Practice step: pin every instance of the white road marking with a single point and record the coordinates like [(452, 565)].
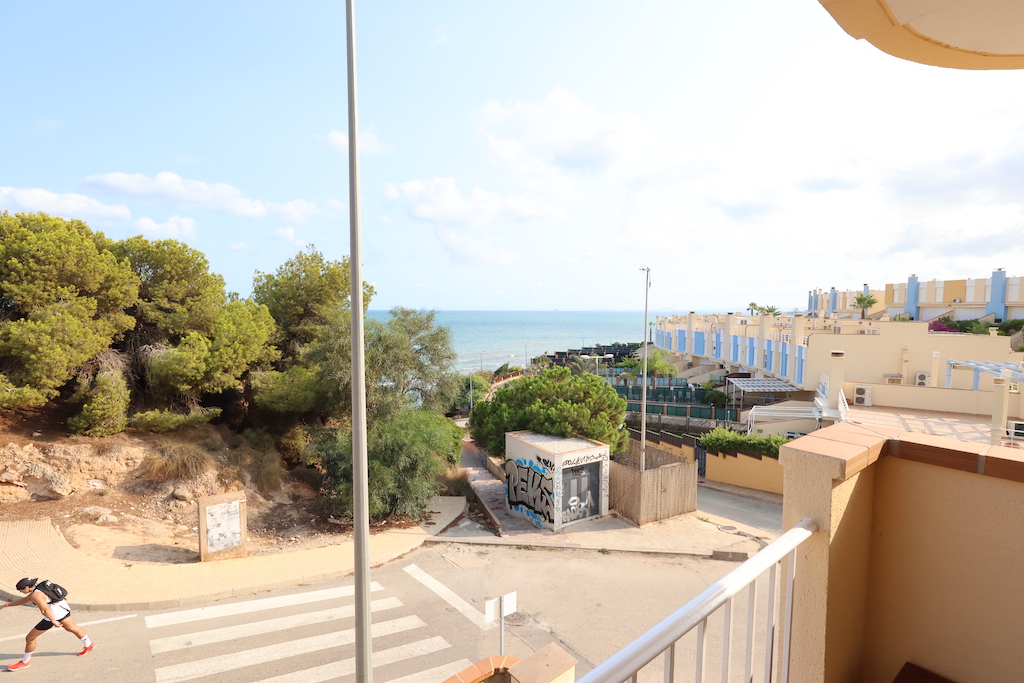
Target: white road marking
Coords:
[(216, 611), (103, 621), (220, 635), (85, 623), (448, 596), (435, 675), (345, 667), (261, 655)]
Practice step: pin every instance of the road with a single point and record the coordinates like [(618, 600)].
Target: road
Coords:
[(427, 618), (749, 511)]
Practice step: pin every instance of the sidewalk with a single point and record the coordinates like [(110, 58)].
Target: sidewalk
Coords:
[(36, 549), (682, 535)]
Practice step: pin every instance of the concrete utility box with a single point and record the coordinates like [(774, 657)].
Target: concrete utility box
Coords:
[(553, 481)]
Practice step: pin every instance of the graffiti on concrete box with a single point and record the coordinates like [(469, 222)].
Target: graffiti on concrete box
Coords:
[(530, 489)]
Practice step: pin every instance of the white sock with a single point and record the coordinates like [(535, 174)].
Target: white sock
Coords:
[(27, 658), (86, 641)]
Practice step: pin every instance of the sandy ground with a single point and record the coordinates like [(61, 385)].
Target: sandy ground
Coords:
[(148, 530)]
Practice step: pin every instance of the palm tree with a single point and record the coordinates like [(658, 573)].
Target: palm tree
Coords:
[(771, 310), (581, 366), (864, 302), (753, 308), (657, 366)]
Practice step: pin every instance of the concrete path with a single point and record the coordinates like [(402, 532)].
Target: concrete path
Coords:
[(36, 549), (762, 513), (682, 535)]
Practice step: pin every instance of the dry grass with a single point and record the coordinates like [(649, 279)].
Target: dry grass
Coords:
[(455, 481), (267, 470), (177, 460)]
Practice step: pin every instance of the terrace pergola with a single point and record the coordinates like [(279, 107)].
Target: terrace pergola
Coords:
[(1009, 370), (759, 385)]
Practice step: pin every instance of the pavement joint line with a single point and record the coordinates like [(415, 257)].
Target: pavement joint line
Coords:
[(510, 541)]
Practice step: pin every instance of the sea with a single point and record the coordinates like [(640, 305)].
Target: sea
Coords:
[(489, 339)]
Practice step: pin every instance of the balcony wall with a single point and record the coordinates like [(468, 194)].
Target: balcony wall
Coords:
[(944, 585), (918, 559)]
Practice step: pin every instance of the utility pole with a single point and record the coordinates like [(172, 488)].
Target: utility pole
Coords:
[(360, 475), (643, 390)]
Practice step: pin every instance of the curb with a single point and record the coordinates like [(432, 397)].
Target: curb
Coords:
[(509, 542), (35, 548)]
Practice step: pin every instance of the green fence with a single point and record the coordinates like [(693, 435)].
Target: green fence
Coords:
[(705, 412), (663, 394)]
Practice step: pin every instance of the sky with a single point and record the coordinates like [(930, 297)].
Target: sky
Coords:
[(528, 155)]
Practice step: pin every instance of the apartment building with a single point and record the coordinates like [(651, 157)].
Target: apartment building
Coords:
[(996, 298), (798, 349)]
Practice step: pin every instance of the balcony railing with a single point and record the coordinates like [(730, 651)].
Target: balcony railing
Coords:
[(662, 640)]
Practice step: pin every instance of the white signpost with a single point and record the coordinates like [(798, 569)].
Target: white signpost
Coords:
[(505, 605)]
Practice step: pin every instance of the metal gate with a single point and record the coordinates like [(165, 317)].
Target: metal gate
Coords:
[(701, 456)]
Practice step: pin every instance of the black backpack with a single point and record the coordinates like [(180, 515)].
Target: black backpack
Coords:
[(54, 591)]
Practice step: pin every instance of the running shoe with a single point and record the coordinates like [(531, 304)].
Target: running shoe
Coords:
[(87, 650), (19, 665)]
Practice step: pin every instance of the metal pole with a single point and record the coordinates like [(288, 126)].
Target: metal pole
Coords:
[(643, 390), (501, 626), (360, 477)]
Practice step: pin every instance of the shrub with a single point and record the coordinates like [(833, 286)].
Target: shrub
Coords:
[(166, 421), (1008, 327), (106, 409), (718, 399), (406, 457), (267, 470), (727, 442), (555, 402), (177, 460)]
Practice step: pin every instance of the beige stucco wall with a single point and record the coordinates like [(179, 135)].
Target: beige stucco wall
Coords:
[(936, 398), (870, 356), (802, 426), (742, 470), (945, 586)]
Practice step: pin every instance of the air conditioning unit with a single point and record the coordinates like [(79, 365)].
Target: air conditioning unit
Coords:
[(861, 395), (1015, 428), (956, 301), (923, 379)]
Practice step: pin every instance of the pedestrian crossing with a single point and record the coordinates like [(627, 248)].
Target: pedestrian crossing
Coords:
[(287, 639)]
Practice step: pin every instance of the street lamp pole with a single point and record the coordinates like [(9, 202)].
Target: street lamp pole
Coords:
[(360, 475), (643, 389)]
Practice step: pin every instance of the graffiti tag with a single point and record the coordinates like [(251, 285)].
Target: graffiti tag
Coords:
[(529, 489)]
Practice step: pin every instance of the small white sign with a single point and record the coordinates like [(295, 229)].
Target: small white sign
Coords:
[(491, 608)]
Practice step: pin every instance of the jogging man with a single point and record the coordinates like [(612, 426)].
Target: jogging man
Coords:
[(55, 612)]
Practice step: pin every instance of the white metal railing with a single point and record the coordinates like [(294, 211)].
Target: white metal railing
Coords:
[(844, 407), (625, 665)]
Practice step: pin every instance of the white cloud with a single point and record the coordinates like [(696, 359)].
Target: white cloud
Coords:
[(297, 211), (440, 202), (172, 188), (477, 250), (288, 235), (555, 143), (369, 143), (66, 205), (237, 246), (176, 227)]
